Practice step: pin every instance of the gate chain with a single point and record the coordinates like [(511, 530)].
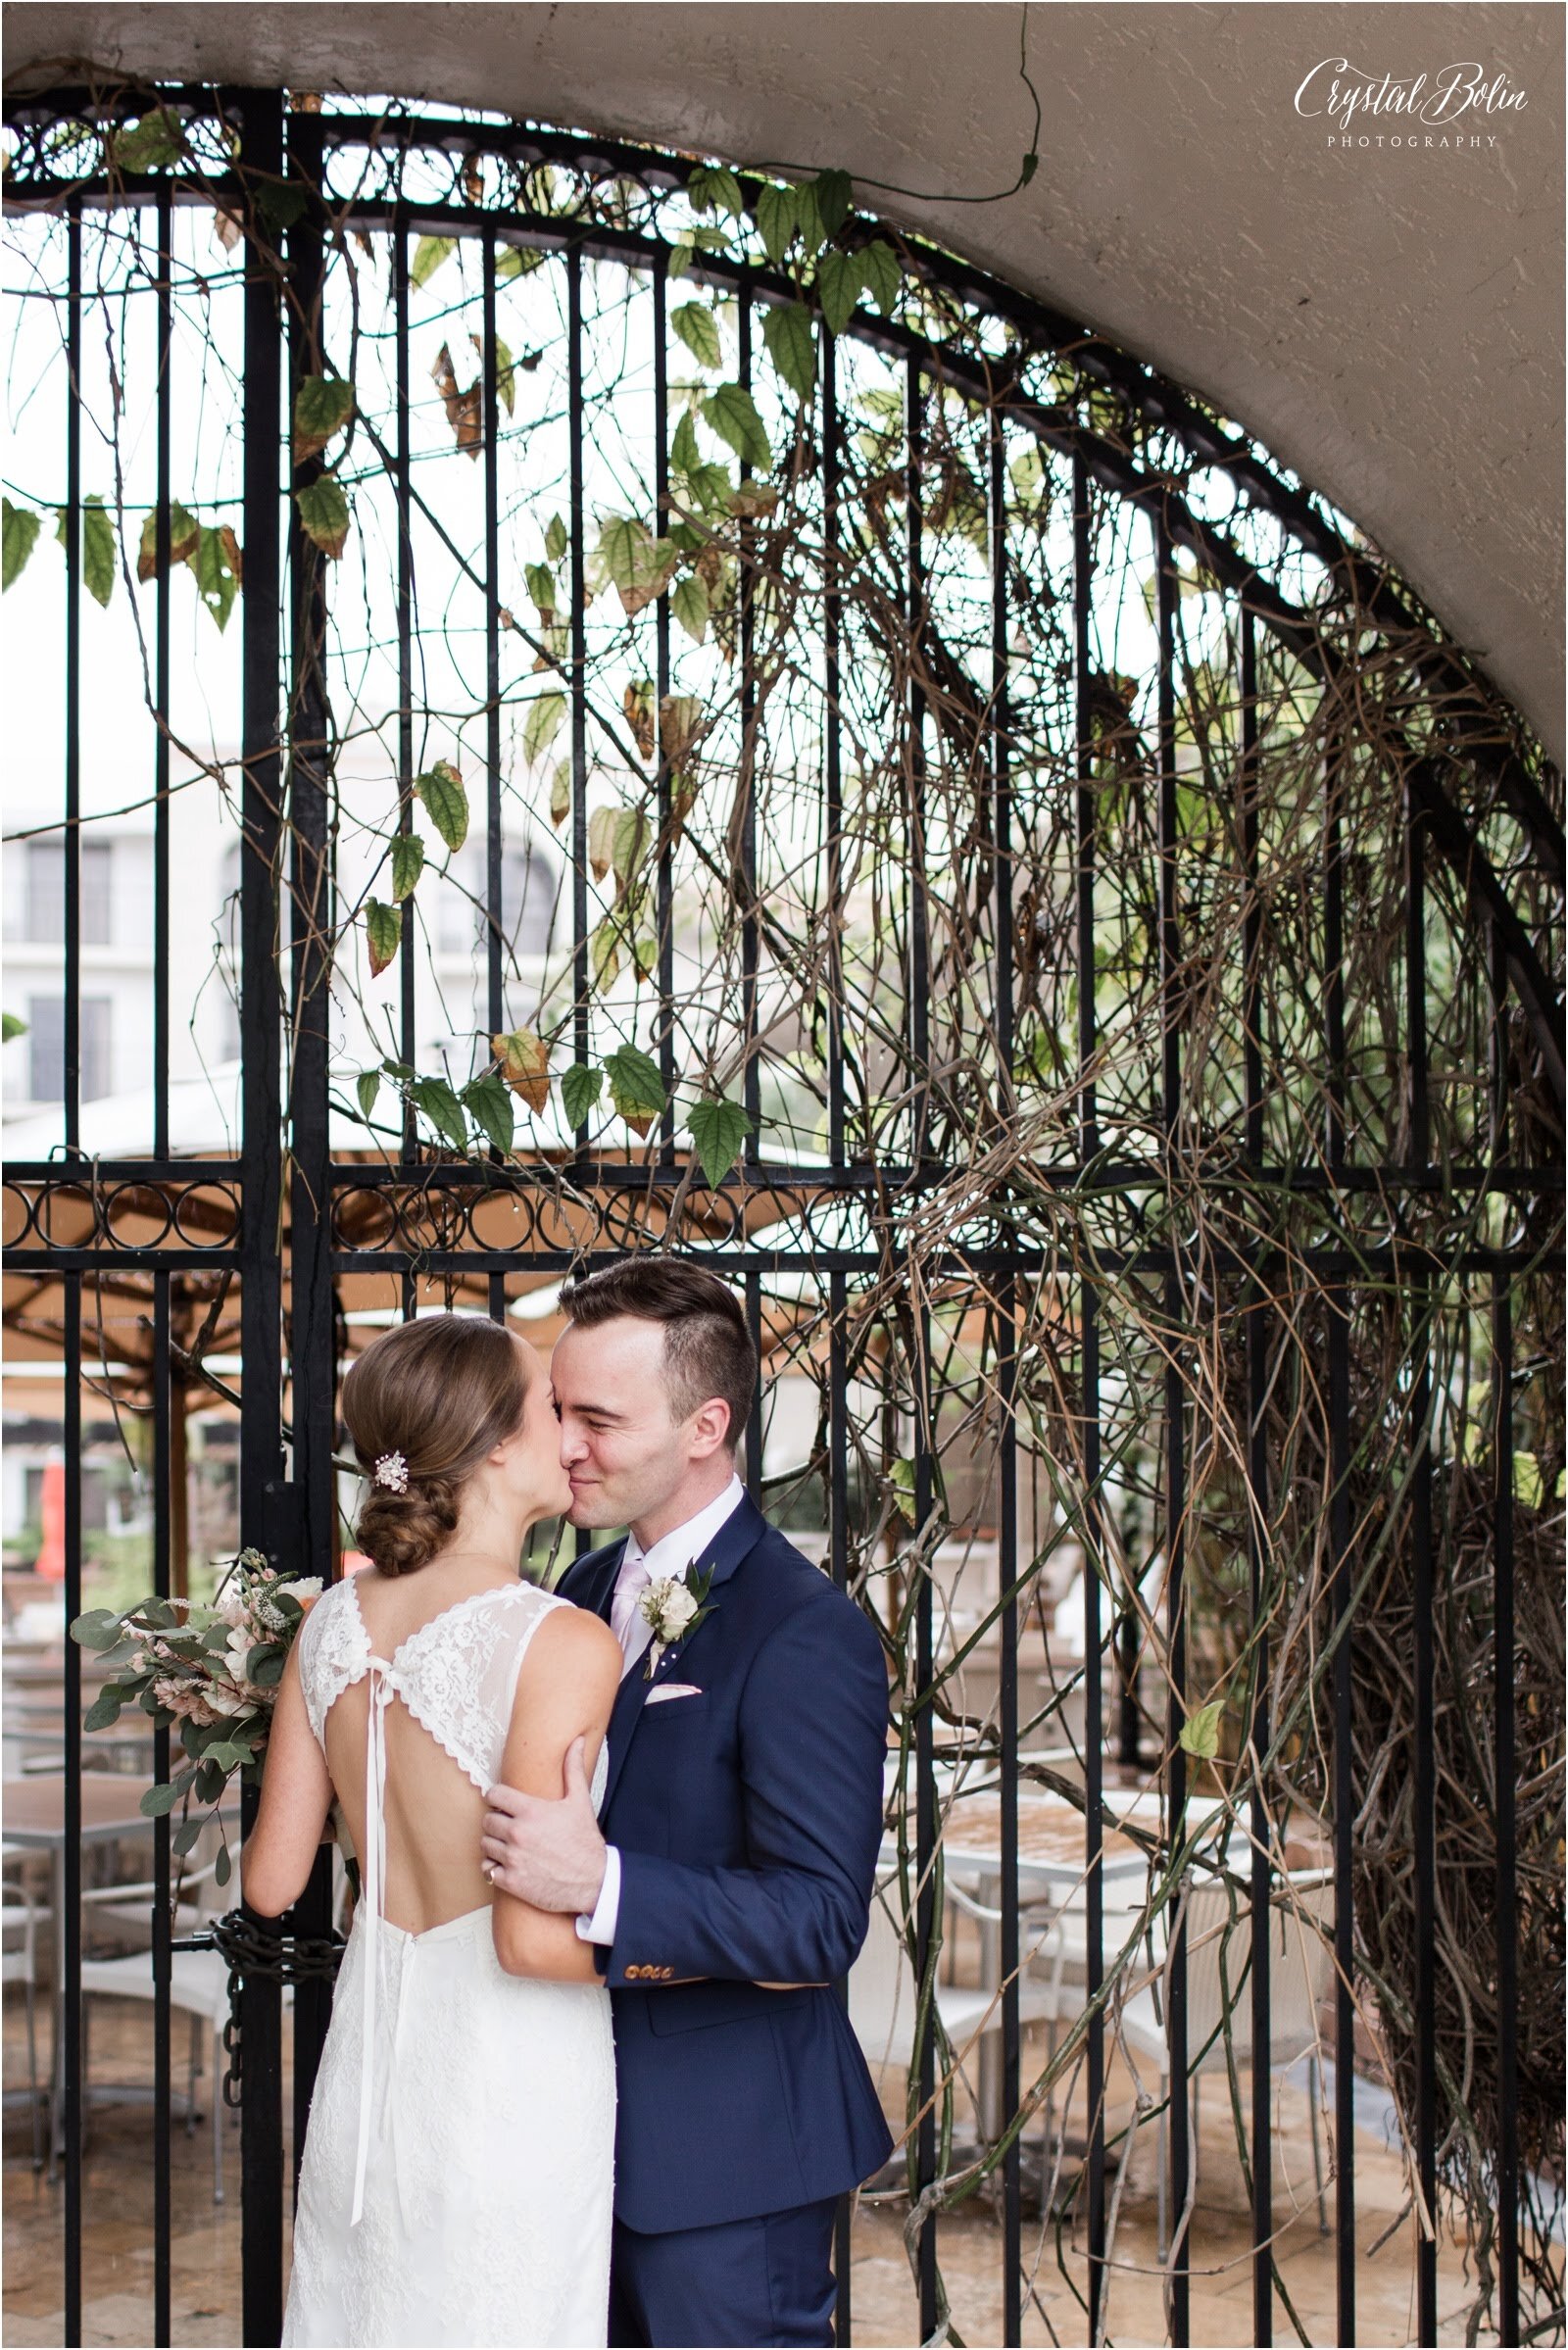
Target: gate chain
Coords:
[(276, 1958)]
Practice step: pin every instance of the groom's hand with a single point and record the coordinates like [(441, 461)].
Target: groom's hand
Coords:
[(548, 1854)]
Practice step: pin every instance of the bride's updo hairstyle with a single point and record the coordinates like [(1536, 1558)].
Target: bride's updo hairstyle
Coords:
[(428, 1398)]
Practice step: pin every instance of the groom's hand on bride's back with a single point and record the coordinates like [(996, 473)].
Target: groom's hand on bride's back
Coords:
[(547, 1852)]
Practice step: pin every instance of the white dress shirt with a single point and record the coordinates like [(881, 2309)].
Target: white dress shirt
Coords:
[(671, 1554)]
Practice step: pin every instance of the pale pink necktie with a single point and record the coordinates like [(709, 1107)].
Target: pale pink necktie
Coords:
[(629, 1626)]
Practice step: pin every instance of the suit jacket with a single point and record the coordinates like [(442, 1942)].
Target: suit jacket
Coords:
[(748, 1818)]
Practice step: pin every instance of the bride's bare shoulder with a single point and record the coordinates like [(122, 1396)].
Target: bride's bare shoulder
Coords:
[(573, 1640)]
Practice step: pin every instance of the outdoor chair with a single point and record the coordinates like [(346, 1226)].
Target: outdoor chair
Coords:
[(18, 1963), (883, 1994), (198, 1983), (1219, 1960)]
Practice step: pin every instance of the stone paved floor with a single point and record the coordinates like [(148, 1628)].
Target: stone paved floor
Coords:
[(117, 2245)]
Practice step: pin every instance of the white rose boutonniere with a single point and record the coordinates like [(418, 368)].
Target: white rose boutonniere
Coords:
[(674, 1606)]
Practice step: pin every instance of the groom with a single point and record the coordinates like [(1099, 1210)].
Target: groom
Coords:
[(727, 1881)]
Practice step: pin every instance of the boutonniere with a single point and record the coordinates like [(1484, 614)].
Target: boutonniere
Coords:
[(674, 1606)]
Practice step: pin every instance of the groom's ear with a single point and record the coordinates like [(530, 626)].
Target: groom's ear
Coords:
[(710, 1426)]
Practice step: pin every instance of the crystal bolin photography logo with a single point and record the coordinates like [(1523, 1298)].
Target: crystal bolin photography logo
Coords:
[(1447, 110)]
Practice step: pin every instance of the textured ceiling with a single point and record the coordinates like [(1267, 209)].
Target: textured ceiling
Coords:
[(1387, 320)]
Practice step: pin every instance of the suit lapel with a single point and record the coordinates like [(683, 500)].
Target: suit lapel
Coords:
[(738, 1534), (590, 1582)]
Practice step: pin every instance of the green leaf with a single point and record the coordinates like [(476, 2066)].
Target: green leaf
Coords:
[(790, 340), (21, 528), (366, 1086), (685, 450), (217, 577), (542, 590), (489, 1105), (428, 255), (635, 1086), (517, 261), (777, 217), (223, 1866), (839, 281), (687, 602), (902, 1479), (561, 791), (505, 378), (408, 863), (556, 539), (680, 260), (732, 413), (441, 1106), (640, 565), (104, 1709), (98, 1628), (524, 1059), (628, 841), (713, 188), (604, 951), (324, 515), (808, 215), (1528, 1484), (710, 489), (184, 1837), (323, 406), (446, 802), (881, 276), (383, 929), (580, 1088), (185, 534), (1200, 1733), (718, 1130), (834, 192), (265, 1666), (280, 206), (97, 550), (156, 1800), (697, 330), (153, 144), (11, 1026), (543, 724)]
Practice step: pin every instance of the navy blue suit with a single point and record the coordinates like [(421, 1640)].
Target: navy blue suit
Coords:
[(748, 1820)]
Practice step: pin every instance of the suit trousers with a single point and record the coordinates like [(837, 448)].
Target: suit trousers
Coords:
[(738, 2286)]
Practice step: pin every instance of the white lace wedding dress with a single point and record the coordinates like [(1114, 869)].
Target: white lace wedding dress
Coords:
[(457, 2173)]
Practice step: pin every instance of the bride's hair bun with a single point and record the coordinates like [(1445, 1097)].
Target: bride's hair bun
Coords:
[(436, 1394)]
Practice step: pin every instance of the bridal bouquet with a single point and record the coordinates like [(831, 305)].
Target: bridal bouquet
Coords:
[(214, 1669)]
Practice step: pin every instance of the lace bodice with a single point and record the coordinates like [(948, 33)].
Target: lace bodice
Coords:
[(457, 1674)]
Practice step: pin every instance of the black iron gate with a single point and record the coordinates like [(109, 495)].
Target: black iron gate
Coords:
[(1121, 1044)]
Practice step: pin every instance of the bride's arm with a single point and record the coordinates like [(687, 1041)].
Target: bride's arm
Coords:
[(279, 1852), (564, 1692)]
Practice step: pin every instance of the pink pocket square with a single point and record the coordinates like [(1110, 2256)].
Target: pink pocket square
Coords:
[(673, 1688)]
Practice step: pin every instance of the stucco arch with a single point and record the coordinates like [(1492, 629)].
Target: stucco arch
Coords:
[(1387, 320)]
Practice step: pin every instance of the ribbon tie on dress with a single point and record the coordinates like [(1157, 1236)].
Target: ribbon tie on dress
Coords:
[(385, 1687)]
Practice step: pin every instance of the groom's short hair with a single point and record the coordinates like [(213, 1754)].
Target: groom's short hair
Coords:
[(708, 1347)]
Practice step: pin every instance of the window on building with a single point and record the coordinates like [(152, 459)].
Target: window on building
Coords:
[(45, 913), (46, 1041), (529, 882)]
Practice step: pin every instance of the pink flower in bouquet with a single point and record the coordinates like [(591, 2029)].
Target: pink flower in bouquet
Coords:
[(186, 1703)]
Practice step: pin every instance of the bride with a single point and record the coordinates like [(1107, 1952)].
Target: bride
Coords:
[(456, 2180)]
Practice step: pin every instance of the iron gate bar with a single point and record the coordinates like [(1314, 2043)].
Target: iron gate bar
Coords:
[(751, 929), (71, 853), (261, 1198), (1425, 1812), (1337, 1305), (1504, 1699), (664, 797), (1006, 1394), (311, 1335), (161, 1923), (832, 632), (407, 1043), (1261, 1732), (490, 409), (839, 1569), (579, 668), (1170, 1115), (927, 1848)]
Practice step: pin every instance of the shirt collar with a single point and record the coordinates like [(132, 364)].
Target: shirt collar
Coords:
[(683, 1545)]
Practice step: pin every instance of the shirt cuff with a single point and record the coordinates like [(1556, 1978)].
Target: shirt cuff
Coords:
[(600, 1927)]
